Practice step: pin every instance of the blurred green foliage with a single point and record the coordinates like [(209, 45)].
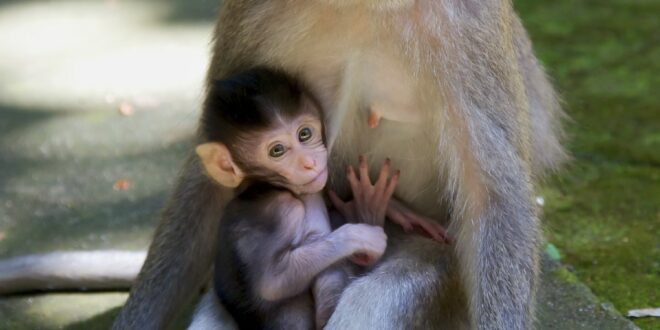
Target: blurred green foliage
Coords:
[(603, 209)]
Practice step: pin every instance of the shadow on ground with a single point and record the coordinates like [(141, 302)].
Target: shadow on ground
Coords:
[(101, 321)]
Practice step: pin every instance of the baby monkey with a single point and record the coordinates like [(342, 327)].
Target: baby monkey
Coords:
[(279, 264)]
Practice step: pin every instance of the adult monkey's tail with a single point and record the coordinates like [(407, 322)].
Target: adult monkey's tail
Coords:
[(71, 271)]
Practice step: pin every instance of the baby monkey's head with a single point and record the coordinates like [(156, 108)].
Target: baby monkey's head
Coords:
[(262, 125)]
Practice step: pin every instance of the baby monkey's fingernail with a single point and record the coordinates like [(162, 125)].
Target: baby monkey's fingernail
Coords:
[(387, 161), (398, 172), (361, 158)]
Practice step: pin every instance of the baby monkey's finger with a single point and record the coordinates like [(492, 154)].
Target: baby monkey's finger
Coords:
[(432, 231), (446, 236), (364, 172), (391, 186), (353, 181), (383, 175), (361, 259), (431, 228), (401, 220)]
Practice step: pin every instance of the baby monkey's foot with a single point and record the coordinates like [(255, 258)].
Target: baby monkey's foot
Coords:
[(410, 221)]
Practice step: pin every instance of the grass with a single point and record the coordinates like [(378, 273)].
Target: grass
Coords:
[(603, 209)]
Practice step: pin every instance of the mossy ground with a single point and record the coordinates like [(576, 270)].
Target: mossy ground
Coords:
[(603, 209)]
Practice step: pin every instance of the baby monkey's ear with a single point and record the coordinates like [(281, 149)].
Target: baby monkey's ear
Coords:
[(219, 165)]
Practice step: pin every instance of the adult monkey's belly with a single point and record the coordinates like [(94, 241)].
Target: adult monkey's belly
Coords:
[(352, 82)]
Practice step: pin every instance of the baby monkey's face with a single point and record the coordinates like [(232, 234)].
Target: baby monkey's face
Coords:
[(295, 150)]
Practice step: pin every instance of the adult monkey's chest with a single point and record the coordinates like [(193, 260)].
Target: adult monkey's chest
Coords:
[(354, 66), (377, 82)]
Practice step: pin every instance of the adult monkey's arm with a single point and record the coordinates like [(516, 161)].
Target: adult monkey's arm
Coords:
[(179, 258), (180, 255)]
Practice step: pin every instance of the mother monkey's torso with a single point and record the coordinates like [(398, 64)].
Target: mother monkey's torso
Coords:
[(467, 115), (356, 62)]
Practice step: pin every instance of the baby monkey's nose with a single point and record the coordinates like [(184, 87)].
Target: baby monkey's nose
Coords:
[(308, 162)]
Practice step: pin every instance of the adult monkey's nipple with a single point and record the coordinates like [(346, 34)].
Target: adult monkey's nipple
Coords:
[(374, 118)]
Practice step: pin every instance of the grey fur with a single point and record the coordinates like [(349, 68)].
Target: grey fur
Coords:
[(490, 126)]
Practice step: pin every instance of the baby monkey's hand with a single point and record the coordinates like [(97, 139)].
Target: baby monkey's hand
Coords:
[(370, 201)]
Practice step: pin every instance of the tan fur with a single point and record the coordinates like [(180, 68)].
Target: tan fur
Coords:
[(488, 119)]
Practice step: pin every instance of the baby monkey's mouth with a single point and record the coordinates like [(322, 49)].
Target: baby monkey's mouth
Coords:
[(318, 176)]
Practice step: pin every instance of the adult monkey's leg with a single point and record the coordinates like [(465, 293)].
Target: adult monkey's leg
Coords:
[(497, 226), (412, 287), (484, 66), (544, 107), (180, 255)]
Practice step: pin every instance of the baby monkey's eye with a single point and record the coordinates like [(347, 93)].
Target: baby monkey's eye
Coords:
[(277, 151), (305, 134)]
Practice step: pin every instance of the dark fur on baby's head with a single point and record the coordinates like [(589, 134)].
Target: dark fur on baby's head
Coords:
[(251, 101)]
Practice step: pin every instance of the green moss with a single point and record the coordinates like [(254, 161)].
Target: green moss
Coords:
[(564, 275), (603, 210)]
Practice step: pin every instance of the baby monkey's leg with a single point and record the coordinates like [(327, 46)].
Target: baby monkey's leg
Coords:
[(327, 290), (295, 314)]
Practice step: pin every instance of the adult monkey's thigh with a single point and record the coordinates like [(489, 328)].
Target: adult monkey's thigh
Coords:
[(413, 287), (476, 63)]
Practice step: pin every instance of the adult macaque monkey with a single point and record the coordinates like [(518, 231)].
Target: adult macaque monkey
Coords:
[(463, 109)]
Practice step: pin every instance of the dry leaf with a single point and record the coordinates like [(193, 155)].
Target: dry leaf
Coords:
[(2, 235), (126, 109), (121, 184)]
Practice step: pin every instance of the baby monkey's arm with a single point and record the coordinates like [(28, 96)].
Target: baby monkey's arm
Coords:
[(330, 283), (291, 271)]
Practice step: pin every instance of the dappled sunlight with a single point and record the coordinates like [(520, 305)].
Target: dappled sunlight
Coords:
[(100, 134), (67, 68), (78, 55), (58, 310)]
